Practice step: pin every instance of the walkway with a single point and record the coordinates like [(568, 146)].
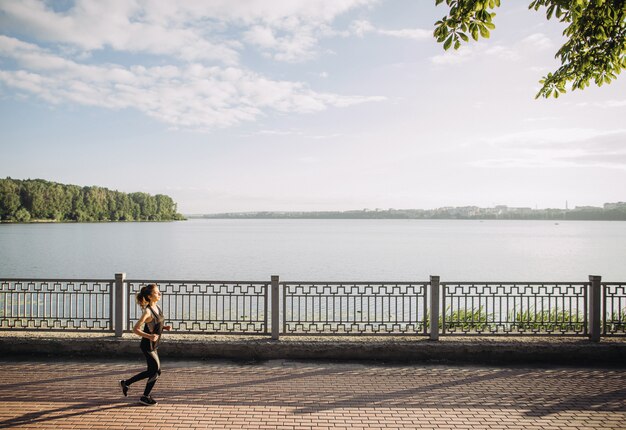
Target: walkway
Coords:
[(303, 395)]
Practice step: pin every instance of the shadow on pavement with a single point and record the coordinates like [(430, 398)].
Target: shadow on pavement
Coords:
[(46, 415), (313, 388)]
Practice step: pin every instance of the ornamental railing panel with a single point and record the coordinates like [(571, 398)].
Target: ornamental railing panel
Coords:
[(614, 305), (214, 307), (354, 308), (322, 308), (56, 304), (514, 308)]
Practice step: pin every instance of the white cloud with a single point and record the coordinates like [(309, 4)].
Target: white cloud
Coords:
[(361, 28), (191, 96), (292, 47), (552, 136), (537, 41), (570, 147), (611, 104), (190, 30), (458, 56), (279, 133), (608, 104), (409, 33), (299, 133), (562, 160), (503, 53), (207, 90), (471, 51), (508, 163), (120, 25), (261, 36)]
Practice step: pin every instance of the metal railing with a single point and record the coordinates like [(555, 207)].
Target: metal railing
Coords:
[(56, 304), (228, 307), (431, 308), (348, 308), (614, 306), (533, 308)]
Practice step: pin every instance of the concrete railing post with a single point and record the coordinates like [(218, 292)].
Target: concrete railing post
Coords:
[(434, 308), (595, 308), (275, 309), (120, 303)]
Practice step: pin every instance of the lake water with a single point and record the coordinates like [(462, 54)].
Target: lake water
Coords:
[(318, 250)]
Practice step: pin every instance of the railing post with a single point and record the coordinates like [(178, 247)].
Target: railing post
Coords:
[(434, 308), (595, 308), (275, 308), (120, 304)]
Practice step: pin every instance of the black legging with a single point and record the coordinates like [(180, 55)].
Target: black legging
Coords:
[(154, 368)]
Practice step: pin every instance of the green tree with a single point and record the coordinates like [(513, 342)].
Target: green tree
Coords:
[(36, 199), (9, 198), (147, 206), (124, 206), (596, 37), (166, 208), (33, 198), (22, 215), (78, 204), (95, 201), (58, 201)]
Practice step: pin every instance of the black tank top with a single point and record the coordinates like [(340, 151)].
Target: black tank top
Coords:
[(154, 327)]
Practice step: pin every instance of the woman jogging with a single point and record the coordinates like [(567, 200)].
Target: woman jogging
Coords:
[(152, 320)]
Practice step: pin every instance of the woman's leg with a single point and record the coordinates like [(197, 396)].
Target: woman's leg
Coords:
[(154, 370), (146, 373)]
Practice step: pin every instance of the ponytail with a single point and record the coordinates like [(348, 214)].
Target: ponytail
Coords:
[(144, 295)]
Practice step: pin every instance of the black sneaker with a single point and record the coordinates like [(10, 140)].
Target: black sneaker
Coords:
[(124, 387), (148, 401)]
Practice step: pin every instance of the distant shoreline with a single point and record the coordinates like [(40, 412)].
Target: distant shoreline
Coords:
[(51, 221), (609, 212), (397, 219)]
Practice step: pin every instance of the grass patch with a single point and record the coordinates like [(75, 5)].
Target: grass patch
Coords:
[(547, 321), (616, 322)]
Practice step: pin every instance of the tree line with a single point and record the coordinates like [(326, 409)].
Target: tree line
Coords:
[(37, 199)]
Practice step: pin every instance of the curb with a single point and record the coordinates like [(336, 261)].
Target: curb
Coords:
[(493, 351)]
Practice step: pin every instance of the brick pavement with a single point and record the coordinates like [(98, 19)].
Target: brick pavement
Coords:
[(310, 395)]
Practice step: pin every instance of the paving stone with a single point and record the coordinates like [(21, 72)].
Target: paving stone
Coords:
[(282, 394)]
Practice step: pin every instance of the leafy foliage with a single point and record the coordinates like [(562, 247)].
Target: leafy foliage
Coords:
[(468, 320), (547, 320), (596, 37), (36, 199), (527, 321), (616, 322)]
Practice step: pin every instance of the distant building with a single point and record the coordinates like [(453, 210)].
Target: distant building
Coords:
[(524, 211), (501, 209)]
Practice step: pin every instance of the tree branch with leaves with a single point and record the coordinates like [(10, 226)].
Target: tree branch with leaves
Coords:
[(595, 49)]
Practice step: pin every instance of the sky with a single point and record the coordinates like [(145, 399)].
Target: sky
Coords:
[(300, 105)]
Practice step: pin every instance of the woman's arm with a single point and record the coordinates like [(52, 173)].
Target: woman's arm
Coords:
[(137, 328)]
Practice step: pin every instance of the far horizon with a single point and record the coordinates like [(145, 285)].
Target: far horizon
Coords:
[(567, 204), (503, 207)]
